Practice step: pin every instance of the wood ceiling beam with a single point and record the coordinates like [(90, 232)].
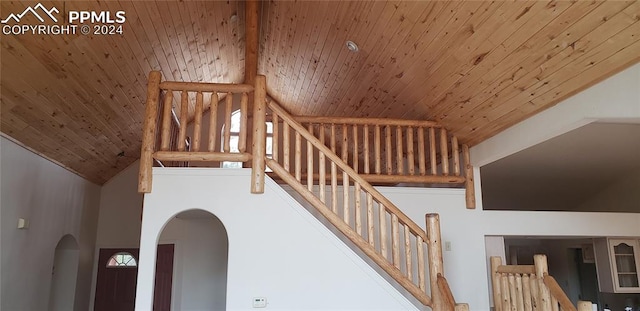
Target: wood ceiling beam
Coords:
[(252, 9)]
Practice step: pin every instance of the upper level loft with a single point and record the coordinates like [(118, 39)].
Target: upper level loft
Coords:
[(234, 125)]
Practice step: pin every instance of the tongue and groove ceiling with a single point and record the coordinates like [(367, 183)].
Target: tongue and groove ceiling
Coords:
[(477, 67)]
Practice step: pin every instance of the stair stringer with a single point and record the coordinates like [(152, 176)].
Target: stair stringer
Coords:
[(357, 250)]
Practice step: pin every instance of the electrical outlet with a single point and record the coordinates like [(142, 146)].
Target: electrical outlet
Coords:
[(259, 302)]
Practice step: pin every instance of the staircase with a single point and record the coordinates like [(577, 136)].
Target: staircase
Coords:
[(338, 187)]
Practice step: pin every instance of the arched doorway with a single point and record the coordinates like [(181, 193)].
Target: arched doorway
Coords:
[(64, 275), (200, 262)]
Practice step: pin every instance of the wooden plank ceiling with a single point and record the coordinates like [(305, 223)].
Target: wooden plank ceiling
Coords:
[(79, 100), (475, 66)]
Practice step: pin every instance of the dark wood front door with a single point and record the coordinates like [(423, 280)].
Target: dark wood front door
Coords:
[(164, 277), (117, 279)]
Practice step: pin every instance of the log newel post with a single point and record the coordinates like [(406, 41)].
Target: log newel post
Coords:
[(470, 193), (436, 267), (149, 132), (496, 262), (259, 136), (584, 306), (542, 269)]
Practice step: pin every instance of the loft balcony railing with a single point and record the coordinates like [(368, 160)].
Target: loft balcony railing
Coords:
[(178, 132), (174, 132)]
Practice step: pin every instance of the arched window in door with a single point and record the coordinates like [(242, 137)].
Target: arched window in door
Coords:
[(122, 259), (235, 138)]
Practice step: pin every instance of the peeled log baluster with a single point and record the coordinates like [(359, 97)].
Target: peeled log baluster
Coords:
[(432, 150), (242, 136), (410, 155), (227, 122), (213, 119), (197, 122), (298, 156), (383, 231), (456, 155), (166, 121), (286, 141), (370, 223), (355, 148), (276, 138), (399, 154), (388, 151), (444, 152), (345, 178), (358, 214), (334, 173), (377, 155), (365, 138), (322, 168), (422, 281), (421, 153), (184, 112), (407, 252), (519, 293), (310, 161), (526, 293), (395, 241)]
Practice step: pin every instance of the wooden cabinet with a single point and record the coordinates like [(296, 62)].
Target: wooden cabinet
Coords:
[(618, 264)]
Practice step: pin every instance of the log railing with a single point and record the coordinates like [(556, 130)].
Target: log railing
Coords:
[(354, 207), (394, 151), (210, 143), (332, 176), (528, 288)]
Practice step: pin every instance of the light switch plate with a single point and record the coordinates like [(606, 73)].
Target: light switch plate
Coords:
[(259, 302)]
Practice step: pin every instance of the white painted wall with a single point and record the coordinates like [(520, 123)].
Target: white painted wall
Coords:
[(277, 249), (120, 211), (616, 99), (200, 262), (56, 202), (266, 263), (119, 220)]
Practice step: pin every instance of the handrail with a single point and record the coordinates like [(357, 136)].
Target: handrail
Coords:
[(449, 303), (367, 121), (557, 293), (206, 87), (520, 269), (346, 168)]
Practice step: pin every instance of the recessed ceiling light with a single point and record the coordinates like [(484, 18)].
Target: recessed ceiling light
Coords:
[(352, 46)]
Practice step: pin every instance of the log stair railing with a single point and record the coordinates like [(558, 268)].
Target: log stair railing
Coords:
[(174, 132), (529, 288), (354, 207), (391, 151)]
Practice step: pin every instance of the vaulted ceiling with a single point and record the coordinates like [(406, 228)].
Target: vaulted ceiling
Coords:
[(475, 66)]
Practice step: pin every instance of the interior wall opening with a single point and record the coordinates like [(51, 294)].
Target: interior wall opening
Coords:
[(200, 261), (575, 262), (64, 274)]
